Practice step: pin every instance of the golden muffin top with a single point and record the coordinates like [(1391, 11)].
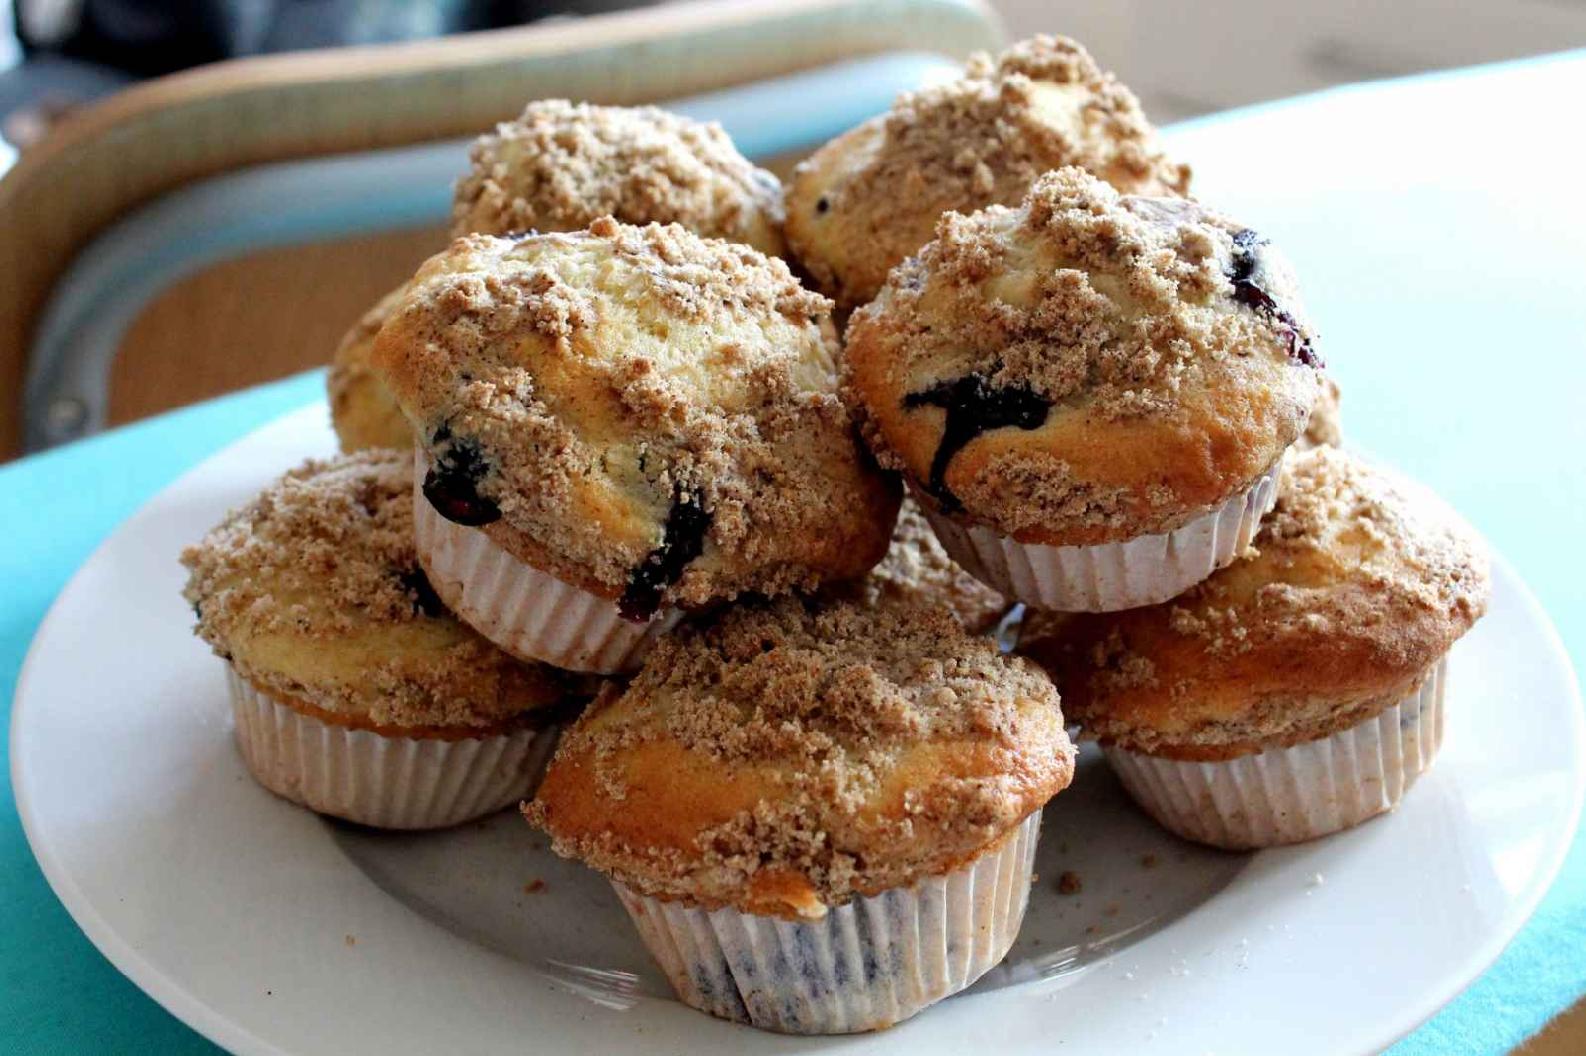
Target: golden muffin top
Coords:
[(314, 593), (362, 410), (871, 197), (917, 570), (1087, 367), (1358, 584), (560, 166), (788, 756), (644, 413)]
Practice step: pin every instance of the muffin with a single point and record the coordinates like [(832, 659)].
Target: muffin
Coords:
[(916, 569), (560, 166), (1324, 425), (1298, 691), (355, 692), (1089, 394), (821, 818), (362, 410), (620, 424), (872, 196)]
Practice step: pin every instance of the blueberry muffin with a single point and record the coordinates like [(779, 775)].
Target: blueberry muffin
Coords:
[(916, 569), (821, 818), (1088, 394), (355, 692), (362, 410), (871, 197), (619, 424), (1298, 691), (561, 166)]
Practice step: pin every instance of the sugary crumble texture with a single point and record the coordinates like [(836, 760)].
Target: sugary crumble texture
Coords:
[(865, 746)]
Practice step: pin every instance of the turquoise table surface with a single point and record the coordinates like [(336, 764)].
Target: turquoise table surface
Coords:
[(1443, 247)]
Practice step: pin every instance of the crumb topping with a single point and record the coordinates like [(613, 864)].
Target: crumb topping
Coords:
[(961, 146), (852, 748), (1369, 529), (1042, 104), (1357, 584), (1324, 425), (1080, 295), (917, 569), (314, 592), (560, 166), (588, 384), (1084, 310)]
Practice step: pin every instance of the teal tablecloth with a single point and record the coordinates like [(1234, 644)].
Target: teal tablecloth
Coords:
[(57, 994), (1445, 266)]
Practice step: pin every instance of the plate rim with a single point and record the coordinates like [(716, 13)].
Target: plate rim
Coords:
[(225, 1030)]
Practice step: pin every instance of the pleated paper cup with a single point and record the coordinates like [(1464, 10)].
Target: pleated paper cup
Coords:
[(385, 782), (865, 965), (1286, 795), (1106, 577), (529, 613)]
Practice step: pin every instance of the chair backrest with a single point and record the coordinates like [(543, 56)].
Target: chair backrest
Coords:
[(223, 130)]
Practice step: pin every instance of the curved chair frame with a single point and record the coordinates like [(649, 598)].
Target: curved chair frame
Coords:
[(162, 135)]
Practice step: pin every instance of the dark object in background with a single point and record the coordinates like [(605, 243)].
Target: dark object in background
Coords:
[(150, 37), (77, 50)]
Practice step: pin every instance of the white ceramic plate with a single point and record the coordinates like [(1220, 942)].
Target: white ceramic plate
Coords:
[(273, 931)]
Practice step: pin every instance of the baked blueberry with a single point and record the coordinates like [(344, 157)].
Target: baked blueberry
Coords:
[(1088, 394), (621, 424)]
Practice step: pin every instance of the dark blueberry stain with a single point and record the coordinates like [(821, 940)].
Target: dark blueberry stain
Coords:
[(681, 542), (417, 585), (974, 406), (1247, 292), (843, 972), (452, 483)]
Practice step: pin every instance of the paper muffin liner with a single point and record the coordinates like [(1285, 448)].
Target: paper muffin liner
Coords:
[(385, 782), (529, 613), (1286, 795), (1106, 577), (865, 965)]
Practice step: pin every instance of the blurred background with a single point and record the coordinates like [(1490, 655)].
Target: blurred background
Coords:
[(224, 227), (1182, 59)]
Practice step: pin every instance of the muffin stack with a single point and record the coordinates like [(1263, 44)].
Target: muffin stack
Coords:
[(609, 445)]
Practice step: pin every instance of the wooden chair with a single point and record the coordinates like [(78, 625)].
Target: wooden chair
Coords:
[(223, 226)]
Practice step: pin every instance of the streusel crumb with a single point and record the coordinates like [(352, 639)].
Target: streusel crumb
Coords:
[(1325, 426), (589, 384), (313, 591), (871, 197), (1155, 356), (1356, 586), (560, 166), (834, 749), (917, 569)]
